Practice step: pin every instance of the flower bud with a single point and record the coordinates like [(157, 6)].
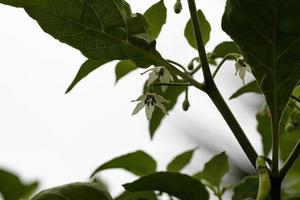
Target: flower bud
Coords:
[(177, 7), (186, 105)]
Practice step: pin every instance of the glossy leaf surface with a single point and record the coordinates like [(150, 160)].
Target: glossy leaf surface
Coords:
[(268, 34), (181, 186), (138, 163)]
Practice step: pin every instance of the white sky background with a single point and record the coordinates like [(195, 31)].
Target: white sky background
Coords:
[(58, 138)]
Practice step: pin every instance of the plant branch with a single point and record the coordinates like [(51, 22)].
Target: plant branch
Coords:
[(177, 64), (275, 148), (174, 84), (290, 161), (199, 41), (213, 92), (196, 69), (227, 57)]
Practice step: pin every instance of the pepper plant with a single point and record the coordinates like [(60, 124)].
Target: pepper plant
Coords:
[(265, 42)]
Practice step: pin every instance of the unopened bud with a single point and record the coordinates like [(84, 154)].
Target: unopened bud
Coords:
[(186, 105), (177, 7)]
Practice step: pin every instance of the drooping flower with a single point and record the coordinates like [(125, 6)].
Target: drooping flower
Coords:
[(241, 68), (149, 101), (161, 74)]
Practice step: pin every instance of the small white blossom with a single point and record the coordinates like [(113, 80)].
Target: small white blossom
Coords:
[(149, 101), (241, 68), (161, 74)]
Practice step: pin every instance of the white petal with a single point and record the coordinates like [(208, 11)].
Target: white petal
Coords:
[(159, 98), (237, 67), (162, 107), (142, 97), (138, 107), (242, 75), (152, 78), (149, 111)]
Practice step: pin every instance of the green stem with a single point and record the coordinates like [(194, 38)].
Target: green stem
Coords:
[(173, 84), (213, 92), (275, 147), (290, 161), (177, 64), (227, 57), (195, 70)]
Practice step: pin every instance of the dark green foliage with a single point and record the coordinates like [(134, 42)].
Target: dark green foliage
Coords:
[(138, 163), (225, 48), (175, 184), (123, 68), (214, 170), (12, 188), (251, 87), (156, 16), (180, 161), (269, 38), (205, 30), (246, 188), (74, 191)]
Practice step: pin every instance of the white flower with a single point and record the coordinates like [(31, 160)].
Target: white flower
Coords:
[(150, 100), (161, 74), (241, 67)]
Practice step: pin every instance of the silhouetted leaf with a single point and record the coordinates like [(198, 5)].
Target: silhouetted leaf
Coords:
[(181, 186), (85, 69), (139, 195), (156, 16), (214, 169), (180, 161), (123, 68), (251, 87), (264, 129), (247, 188), (205, 30), (268, 36), (101, 30), (74, 191), (138, 163), (12, 188), (224, 48)]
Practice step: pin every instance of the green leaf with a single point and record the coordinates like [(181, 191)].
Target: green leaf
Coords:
[(264, 129), (101, 30), (138, 163), (180, 161), (139, 195), (268, 36), (247, 188), (85, 69), (175, 184), (12, 188), (224, 48), (251, 87), (156, 16), (291, 185), (171, 94), (214, 169), (205, 30), (74, 191), (123, 68)]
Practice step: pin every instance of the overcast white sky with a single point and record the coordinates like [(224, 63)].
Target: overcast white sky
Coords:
[(60, 138)]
